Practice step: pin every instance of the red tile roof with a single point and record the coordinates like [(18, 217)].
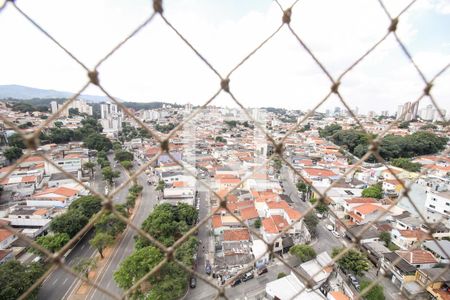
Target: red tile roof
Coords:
[(417, 256), (236, 235), (293, 214), (319, 172), (361, 200), (367, 208), (4, 234), (249, 213), (216, 221), (63, 191)]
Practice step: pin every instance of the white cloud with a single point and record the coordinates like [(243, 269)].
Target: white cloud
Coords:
[(157, 65)]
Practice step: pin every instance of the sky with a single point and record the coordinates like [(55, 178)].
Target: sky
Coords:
[(156, 65)]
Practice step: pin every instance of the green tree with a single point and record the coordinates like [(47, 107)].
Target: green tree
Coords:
[(52, 242), (220, 139), (277, 164), (90, 166), (16, 140), (373, 191), (123, 155), (61, 135), (13, 153), (117, 146), (303, 252), (375, 293), (406, 164), (97, 142), (301, 186), (58, 124), (109, 223), (167, 223), (385, 236), (16, 278), (73, 111), (126, 164), (281, 275), (161, 185), (321, 207), (136, 265), (404, 125), (84, 266), (311, 222), (258, 223), (352, 261), (109, 174), (329, 130), (71, 223), (87, 205), (100, 241), (428, 126)]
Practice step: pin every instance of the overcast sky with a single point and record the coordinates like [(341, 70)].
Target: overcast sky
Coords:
[(157, 66)]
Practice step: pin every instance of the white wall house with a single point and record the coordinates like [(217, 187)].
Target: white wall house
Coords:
[(439, 202)]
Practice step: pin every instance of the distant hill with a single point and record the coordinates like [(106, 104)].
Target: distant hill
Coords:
[(40, 97), (24, 92)]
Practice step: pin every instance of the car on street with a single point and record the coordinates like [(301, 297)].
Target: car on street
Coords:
[(208, 268), (335, 233), (262, 271), (236, 282), (247, 276), (193, 282), (319, 215), (329, 227), (354, 281)]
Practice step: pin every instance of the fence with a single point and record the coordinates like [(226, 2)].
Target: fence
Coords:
[(93, 78)]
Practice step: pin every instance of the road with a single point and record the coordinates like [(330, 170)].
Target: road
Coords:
[(326, 241), (126, 245), (60, 283)]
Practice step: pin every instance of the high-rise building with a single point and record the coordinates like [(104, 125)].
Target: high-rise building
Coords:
[(111, 118), (54, 106), (408, 111), (78, 104), (337, 111)]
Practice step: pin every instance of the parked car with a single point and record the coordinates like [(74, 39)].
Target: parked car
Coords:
[(329, 227), (319, 215), (354, 281), (208, 269), (335, 233), (247, 276), (193, 282), (261, 271), (236, 282)]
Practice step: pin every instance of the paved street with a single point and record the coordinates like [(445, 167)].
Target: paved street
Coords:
[(60, 283), (326, 241), (126, 245)]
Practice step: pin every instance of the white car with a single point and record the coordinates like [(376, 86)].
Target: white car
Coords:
[(335, 233), (319, 215), (329, 227)]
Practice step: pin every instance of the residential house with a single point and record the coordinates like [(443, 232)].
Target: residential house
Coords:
[(436, 281), (421, 259), (317, 270), (440, 250), (406, 239), (290, 287), (53, 197), (397, 269)]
